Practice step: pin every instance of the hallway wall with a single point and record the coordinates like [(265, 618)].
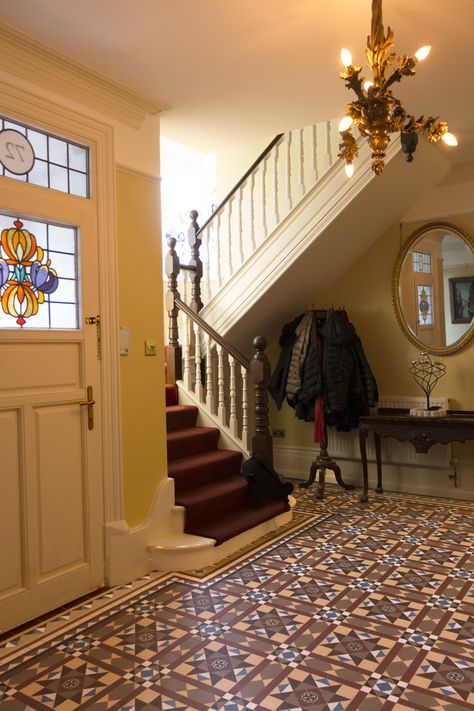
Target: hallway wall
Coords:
[(141, 313), (365, 292)]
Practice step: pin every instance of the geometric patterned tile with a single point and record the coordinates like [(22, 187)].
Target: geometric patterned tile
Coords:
[(447, 676), (371, 608)]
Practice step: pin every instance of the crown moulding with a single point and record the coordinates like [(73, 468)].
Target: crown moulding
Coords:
[(26, 58)]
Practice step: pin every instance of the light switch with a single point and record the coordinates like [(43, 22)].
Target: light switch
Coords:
[(150, 348), (124, 341)]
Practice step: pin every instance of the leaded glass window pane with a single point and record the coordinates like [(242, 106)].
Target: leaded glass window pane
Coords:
[(77, 158), (39, 285), (425, 305), (57, 151), (59, 164), (39, 141), (58, 178), (38, 175), (422, 262)]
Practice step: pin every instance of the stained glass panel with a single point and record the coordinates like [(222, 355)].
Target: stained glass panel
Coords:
[(425, 305), (38, 275), (59, 164)]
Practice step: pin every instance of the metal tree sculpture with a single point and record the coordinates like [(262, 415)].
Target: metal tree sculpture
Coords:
[(427, 373)]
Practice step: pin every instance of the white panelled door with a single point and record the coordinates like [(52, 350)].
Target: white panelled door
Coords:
[(51, 498)]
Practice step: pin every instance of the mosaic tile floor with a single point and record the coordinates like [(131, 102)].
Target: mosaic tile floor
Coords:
[(371, 608)]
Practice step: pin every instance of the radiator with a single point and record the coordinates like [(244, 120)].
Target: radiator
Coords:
[(345, 445)]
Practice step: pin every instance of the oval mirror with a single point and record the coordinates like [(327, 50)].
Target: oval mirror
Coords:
[(433, 288)]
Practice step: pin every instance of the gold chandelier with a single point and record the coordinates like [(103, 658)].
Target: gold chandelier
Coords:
[(376, 112)]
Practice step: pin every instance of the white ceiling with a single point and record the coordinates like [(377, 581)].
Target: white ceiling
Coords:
[(237, 70)]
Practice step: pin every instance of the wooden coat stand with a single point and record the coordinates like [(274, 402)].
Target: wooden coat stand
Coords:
[(322, 462)]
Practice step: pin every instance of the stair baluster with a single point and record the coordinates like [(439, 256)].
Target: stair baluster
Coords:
[(288, 172), (302, 187), (260, 373), (245, 408), (221, 411), (187, 369), (198, 387), (173, 351), (233, 425), (195, 264), (210, 396)]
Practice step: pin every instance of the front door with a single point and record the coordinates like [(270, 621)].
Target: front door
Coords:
[(51, 498)]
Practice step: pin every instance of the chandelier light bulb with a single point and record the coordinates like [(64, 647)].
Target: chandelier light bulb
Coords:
[(346, 57), (423, 52), (349, 169), (376, 111), (450, 139), (345, 124)]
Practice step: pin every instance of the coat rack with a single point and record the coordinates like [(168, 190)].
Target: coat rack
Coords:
[(322, 462)]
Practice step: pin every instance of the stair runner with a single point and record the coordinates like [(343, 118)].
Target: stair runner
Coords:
[(208, 481)]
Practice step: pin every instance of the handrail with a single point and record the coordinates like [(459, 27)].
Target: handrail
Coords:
[(242, 180), (213, 334)]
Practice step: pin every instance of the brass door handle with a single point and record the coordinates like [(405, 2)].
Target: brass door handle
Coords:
[(89, 403)]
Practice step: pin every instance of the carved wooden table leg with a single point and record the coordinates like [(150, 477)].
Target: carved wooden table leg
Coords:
[(378, 459), (363, 455)]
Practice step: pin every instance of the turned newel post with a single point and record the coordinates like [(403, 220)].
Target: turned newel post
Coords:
[(260, 375), (173, 349), (195, 263)]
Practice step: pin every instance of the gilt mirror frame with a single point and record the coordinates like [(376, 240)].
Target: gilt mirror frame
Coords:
[(404, 250)]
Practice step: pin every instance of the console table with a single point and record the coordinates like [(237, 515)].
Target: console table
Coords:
[(422, 432)]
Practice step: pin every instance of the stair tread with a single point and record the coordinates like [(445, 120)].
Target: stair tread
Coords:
[(179, 417), (230, 486), (181, 408), (190, 441), (205, 458), (190, 432), (231, 524)]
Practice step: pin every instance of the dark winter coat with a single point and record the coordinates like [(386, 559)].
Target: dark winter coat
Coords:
[(349, 385), (277, 384), (343, 375)]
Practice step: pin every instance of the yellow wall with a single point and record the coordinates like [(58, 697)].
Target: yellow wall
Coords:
[(141, 312), (365, 291)]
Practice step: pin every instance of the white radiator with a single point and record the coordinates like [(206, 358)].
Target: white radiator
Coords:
[(345, 445)]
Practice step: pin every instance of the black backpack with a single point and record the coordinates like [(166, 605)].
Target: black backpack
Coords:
[(264, 484)]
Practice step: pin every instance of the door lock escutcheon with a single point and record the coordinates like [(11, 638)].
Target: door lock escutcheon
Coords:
[(89, 403)]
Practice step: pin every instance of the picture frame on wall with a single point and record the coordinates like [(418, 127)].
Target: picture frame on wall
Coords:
[(461, 298)]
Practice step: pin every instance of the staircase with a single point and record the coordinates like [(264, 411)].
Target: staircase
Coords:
[(290, 227), (208, 481), (202, 513)]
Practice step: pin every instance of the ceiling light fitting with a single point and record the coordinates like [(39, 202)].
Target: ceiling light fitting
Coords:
[(376, 112)]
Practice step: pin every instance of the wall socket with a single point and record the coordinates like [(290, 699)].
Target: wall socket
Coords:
[(279, 434)]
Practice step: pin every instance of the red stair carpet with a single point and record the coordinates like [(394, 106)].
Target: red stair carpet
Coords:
[(208, 481)]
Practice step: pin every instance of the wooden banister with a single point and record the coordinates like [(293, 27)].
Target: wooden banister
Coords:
[(213, 334), (242, 180), (258, 368)]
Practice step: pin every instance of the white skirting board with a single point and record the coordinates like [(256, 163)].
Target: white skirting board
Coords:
[(295, 463)]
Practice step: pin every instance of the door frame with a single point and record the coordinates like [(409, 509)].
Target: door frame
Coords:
[(34, 109)]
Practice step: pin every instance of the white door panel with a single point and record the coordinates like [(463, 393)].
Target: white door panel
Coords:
[(51, 490)]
